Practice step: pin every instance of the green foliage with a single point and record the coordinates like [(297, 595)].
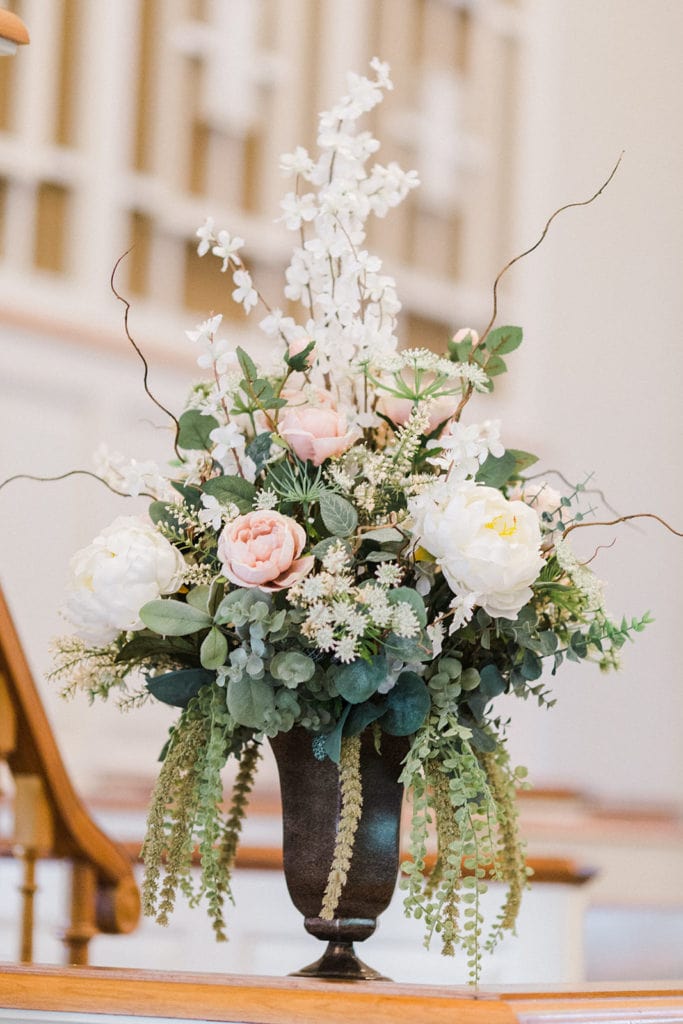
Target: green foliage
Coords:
[(214, 649), (195, 430), (249, 700), (179, 687), (173, 618), (231, 489), (496, 471), (360, 679), (338, 514), (407, 705)]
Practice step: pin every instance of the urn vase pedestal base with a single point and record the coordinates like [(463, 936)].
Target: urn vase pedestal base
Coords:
[(311, 803)]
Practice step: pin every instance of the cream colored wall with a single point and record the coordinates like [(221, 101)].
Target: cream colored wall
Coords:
[(598, 382)]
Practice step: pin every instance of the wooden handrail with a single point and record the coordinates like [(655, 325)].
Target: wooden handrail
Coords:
[(103, 873), (256, 1000)]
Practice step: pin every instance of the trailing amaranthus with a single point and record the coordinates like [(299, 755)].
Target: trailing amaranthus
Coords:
[(349, 817)]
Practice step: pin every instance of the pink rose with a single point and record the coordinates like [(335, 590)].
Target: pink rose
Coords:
[(399, 409), (316, 433), (262, 549), (308, 396), (464, 333)]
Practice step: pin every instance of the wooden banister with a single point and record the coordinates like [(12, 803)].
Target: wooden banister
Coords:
[(254, 1000), (51, 818)]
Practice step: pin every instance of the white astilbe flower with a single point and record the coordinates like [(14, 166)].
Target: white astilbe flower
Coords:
[(265, 500), (336, 558), (404, 620), (463, 449), (389, 574), (580, 575)]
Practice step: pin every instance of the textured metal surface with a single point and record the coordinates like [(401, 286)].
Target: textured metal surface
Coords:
[(311, 801)]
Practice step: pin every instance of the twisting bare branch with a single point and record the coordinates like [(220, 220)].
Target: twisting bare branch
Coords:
[(64, 476), (515, 259), (623, 519), (132, 341)]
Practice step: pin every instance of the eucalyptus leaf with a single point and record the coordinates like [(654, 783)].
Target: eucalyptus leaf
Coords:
[(409, 649), (195, 429), (491, 681), (249, 701), (173, 618), (360, 678), (338, 514), (362, 715), (384, 535), (408, 705), (179, 687)]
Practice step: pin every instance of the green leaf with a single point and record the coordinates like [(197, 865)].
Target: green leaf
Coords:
[(249, 701), (166, 513), (384, 535), (532, 666), (214, 649), (408, 649), (198, 597), (404, 595), (361, 715), (503, 339), (195, 429), (333, 739), (408, 705), (145, 645), (495, 366), (178, 688), (299, 362), (522, 459), (323, 546), (191, 495), (173, 618), (338, 514), (360, 679), (496, 471), (231, 489), (491, 681), (259, 449), (247, 365)]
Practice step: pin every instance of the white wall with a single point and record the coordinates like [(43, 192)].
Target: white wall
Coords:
[(598, 382)]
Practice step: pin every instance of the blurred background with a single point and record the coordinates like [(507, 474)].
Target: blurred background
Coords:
[(123, 125)]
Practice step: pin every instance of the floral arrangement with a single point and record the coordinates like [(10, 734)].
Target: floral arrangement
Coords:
[(336, 547)]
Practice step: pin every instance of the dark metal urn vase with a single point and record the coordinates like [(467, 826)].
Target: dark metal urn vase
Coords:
[(311, 803)]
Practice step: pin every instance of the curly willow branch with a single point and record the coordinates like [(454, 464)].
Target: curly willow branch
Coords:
[(349, 817), (515, 259), (126, 328), (64, 476), (623, 519)]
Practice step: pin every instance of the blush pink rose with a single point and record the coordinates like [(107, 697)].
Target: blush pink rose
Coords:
[(263, 549), (399, 409), (316, 433)]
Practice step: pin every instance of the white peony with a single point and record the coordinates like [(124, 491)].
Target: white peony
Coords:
[(488, 548), (127, 565)]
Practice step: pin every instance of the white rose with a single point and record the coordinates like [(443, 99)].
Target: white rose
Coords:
[(487, 547), (126, 566)]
